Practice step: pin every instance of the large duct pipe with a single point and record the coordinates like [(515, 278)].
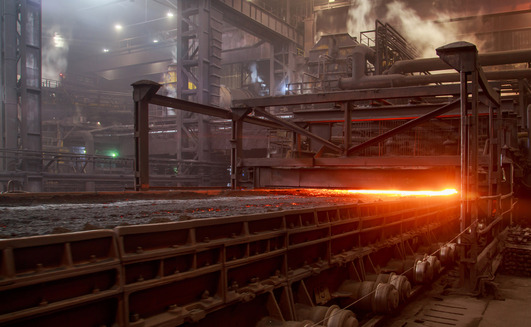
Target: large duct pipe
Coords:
[(398, 80), (394, 76), (361, 54), (485, 59)]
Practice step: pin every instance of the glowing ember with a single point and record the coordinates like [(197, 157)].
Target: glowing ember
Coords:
[(448, 191)]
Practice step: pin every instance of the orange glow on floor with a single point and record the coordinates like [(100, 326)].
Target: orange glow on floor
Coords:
[(448, 191)]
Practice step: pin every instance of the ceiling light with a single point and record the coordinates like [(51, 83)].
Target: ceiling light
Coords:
[(169, 14), (155, 41), (118, 27), (58, 41), (106, 50)]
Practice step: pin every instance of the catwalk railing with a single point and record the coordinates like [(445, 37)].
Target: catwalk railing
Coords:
[(57, 167)]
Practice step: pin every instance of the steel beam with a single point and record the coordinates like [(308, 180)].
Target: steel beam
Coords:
[(351, 95), (203, 109), (390, 161), (258, 21), (333, 114), (297, 129), (404, 127)]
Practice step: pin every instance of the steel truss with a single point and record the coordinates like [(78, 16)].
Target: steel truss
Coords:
[(20, 83)]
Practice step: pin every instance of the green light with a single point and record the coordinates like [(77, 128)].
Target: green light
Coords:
[(113, 154)]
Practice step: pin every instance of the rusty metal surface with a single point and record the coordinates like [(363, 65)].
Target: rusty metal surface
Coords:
[(191, 271), (49, 213)]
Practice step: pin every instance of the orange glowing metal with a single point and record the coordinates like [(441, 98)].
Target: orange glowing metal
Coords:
[(448, 191)]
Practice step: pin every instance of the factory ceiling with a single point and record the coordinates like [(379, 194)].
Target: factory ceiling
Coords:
[(120, 41)]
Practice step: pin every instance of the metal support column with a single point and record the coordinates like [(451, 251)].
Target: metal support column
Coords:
[(143, 91), (29, 90), (463, 57), (8, 84), (236, 155), (282, 67), (347, 127), (198, 67), (20, 93)]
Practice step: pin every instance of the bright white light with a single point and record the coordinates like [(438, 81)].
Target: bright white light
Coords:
[(118, 27), (331, 1), (155, 41), (169, 14), (106, 50), (58, 40)]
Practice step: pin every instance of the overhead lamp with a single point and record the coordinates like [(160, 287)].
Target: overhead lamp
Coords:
[(58, 40), (155, 41), (170, 14), (118, 27), (106, 50)]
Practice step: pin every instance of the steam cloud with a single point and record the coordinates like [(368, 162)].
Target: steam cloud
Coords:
[(55, 53), (254, 73), (425, 35), (360, 17)]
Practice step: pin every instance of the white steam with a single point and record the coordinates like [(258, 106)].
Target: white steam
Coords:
[(254, 73), (361, 16), (425, 35), (55, 53)]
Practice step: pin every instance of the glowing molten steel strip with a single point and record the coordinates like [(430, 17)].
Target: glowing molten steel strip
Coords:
[(448, 191)]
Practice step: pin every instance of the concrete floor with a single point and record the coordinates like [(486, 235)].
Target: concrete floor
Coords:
[(515, 310), (440, 307)]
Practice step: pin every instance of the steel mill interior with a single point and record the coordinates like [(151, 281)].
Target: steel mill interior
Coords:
[(288, 163)]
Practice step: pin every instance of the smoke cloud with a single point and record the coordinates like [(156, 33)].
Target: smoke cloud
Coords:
[(55, 53)]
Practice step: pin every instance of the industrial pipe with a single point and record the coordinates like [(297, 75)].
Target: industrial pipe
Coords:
[(398, 80), (485, 59), (394, 76), (360, 55)]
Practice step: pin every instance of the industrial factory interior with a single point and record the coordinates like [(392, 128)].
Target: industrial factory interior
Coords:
[(255, 163)]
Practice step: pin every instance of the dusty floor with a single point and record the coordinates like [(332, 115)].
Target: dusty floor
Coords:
[(443, 306), (27, 215)]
